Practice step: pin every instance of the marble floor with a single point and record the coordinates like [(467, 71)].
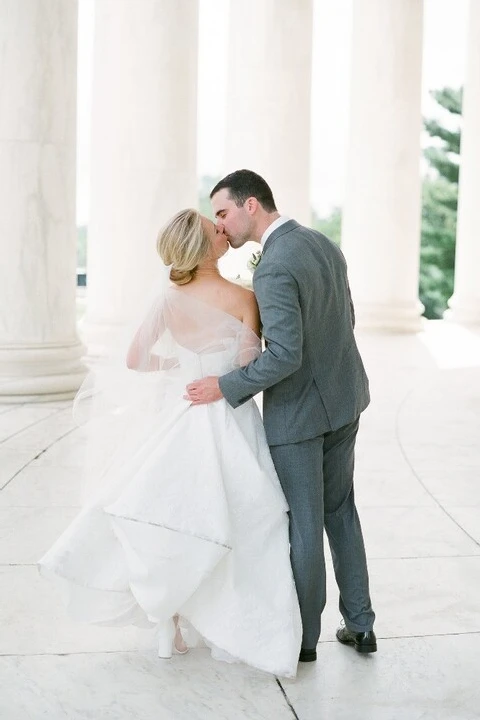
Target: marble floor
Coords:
[(418, 493)]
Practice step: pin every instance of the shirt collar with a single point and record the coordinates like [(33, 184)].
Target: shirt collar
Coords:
[(271, 228)]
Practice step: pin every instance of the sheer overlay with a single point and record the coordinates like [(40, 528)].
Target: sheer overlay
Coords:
[(182, 508)]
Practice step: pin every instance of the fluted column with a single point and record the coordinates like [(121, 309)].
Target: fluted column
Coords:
[(382, 210), (143, 167), (268, 112), (39, 348), (465, 301)]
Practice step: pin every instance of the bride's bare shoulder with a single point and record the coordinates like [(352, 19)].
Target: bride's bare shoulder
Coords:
[(225, 295), (240, 294), (236, 286), (244, 305)]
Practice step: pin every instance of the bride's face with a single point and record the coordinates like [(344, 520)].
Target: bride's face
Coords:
[(217, 237)]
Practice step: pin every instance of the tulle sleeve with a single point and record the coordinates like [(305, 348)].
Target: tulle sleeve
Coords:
[(152, 347), (249, 348)]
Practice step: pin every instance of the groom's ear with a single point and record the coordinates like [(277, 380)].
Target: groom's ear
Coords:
[(251, 205)]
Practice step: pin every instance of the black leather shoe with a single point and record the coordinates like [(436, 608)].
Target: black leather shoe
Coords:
[(308, 655), (364, 642)]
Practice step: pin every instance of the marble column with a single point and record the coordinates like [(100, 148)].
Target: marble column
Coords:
[(382, 208), (465, 301), (268, 103), (39, 348), (143, 166)]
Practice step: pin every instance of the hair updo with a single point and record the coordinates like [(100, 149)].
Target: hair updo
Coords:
[(183, 244)]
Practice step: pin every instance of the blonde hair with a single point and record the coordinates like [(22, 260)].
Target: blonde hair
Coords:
[(183, 244)]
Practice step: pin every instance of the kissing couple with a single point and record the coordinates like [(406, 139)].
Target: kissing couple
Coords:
[(205, 521)]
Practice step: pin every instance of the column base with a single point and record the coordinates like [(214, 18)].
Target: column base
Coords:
[(41, 373), (463, 312), (405, 318)]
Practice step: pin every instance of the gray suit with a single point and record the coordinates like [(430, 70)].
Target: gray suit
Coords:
[(315, 388)]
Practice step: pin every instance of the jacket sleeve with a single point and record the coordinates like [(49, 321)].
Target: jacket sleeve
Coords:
[(278, 300)]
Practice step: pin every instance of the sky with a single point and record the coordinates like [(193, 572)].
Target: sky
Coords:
[(444, 56)]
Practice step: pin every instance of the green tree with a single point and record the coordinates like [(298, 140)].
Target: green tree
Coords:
[(439, 205)]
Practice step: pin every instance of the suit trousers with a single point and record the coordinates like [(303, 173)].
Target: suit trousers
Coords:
[(317, 478)]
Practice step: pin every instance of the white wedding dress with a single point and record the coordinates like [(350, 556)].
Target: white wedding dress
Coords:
[(187, 515)]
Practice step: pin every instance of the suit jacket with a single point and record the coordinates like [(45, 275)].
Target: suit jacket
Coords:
[(311, 372)]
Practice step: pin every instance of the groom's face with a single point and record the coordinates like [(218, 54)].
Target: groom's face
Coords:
[(236, 221)]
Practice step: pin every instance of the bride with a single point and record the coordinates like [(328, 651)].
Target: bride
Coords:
[(184, 524)]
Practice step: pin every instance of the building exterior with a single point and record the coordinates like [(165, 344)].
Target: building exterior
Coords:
[(144, 161)]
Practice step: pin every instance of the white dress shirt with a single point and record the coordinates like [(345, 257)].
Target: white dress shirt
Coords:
[(270, 229)]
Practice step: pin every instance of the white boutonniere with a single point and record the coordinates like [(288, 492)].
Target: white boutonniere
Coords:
[(252, 264)]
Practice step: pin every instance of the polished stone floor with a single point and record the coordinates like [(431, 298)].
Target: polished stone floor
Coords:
[(418, 493)]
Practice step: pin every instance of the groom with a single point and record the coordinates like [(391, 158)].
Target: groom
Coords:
[(315, 388)]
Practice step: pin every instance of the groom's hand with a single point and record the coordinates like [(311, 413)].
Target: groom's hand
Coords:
[(204, 391)]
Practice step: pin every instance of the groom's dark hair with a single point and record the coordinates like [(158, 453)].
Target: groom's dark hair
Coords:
[(243, 184)]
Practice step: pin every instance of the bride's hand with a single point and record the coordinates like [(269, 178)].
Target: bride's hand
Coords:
[(204, 391)]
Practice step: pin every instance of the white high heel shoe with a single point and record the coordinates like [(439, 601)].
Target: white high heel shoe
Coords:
[(170, 639)]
